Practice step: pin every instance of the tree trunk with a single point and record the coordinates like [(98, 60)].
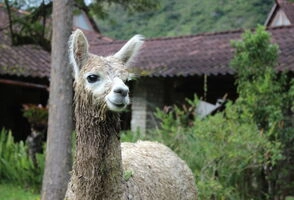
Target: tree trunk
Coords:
[(58, 152)]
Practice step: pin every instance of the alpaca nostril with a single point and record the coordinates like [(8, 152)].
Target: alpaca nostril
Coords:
[(122, 91)]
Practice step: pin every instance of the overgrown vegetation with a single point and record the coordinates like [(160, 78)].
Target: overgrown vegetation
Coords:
[(268, 96), (29, 27), (15, 165), (37, 115), (185, 17), (32, 25), (244, 152)]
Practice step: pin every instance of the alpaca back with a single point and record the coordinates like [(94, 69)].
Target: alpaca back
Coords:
[(155, 172)]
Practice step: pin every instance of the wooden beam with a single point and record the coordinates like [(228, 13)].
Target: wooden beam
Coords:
[(24, 84)]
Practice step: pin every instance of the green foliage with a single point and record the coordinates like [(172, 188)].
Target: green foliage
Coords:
[(257, 81), (185, 17), (129, 5), (15, 192), (35, 114), (127, 174), (224, 151), (29, 27), (254, 55), (268, 97), (15, 165), (32, 27), (226, 148)]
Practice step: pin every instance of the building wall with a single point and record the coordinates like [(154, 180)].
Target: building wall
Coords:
[(152, 93), (148, 94), (280, 19)]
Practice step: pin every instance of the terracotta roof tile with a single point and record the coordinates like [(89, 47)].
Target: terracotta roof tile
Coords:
[(26, 60), (30, 60), (197, 54), (167, 57)]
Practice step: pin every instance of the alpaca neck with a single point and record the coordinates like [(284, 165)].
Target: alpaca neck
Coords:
[(97, 171)]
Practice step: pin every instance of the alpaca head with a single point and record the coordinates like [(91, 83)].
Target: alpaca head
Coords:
[(102, 78)]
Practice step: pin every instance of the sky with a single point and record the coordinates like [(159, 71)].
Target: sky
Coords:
[(87, 2)]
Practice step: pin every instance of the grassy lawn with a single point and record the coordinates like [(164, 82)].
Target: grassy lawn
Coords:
[(11, 192)]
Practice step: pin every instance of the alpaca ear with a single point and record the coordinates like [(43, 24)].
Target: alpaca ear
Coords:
[(78, 51), (129, 51)]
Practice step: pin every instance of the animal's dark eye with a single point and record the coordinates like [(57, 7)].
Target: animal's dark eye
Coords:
[(93, 78)]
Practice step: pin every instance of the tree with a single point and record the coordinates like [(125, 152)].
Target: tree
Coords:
[(267, 98), (32, 27), (29, 27), (58, 149)]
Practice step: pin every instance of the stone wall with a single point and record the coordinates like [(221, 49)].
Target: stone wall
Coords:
[(148, 94)]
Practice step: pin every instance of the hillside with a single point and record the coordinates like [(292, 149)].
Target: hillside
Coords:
[(185, 17)]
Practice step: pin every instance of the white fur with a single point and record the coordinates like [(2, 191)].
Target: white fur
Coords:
[(77, 44), (129, 51), (96, 88), (113, 98), (78, 54)]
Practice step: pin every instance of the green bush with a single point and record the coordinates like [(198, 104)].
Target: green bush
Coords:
[(268, 97), (225, 151), (16, 166)]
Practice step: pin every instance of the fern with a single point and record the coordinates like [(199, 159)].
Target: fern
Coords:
[(15, 165)]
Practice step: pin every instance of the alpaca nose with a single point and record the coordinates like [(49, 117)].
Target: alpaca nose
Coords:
[(123, 91)]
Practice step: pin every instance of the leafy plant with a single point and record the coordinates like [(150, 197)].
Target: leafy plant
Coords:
[(257, 81), (16, 166), (267, 96), (36, 114), (29, 27)]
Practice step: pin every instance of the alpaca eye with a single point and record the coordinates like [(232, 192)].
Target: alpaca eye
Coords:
[(93, 78)]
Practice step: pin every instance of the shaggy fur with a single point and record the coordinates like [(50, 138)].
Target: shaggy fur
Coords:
[(156, 173), (105, 169)]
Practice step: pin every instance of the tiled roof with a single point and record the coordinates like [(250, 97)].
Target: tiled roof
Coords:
[(288, 8), (31, 60), (28, 60), (197, 54), (25, 60), (166, 57)]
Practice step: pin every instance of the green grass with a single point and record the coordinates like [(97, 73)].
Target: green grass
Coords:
[(12, 192)]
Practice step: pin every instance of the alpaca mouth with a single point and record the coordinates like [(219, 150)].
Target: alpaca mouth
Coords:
[(119, 105), (116, 105)]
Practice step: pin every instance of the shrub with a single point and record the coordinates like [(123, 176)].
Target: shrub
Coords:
[(268, 97), (37, 115), (16, 166), (224, 151)]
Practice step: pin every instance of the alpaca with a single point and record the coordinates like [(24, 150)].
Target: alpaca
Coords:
[(105, 169)]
